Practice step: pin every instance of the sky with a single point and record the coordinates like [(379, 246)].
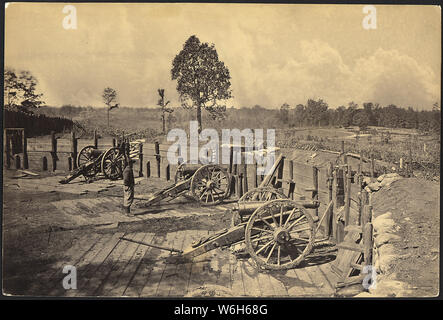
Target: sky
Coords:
[(276, 54)]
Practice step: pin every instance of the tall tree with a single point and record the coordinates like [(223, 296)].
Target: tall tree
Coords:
[(284, 113), (316, 111), (299, 114), (161, 102), (20, 91), (361, 119), (109, 97), (202, 79)]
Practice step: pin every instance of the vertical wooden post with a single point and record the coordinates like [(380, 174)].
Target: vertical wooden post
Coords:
[(255, 174), (367, 234), (235, 179), (240, 184), (148, 169), (17, 162), (74, 150), (54, 151), (339, 202), (291, 170), (44, 164), (343, 151), (25, 151), (7, 149), (231, 158), (157, 157), (114, 143), (348, 196), (245, 175), (95, 139), (168, 173), (291, 180), (315, 192), (70, 163), (328, 222), (140, 159), (279, 183)]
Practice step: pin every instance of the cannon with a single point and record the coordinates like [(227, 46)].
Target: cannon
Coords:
[(91, 161), (278, 234), (208, 184)]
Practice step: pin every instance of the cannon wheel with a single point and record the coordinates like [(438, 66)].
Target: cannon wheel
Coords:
[(263, 194), (112, 164), (279, 234), (85, 156), (179, 173), (210, 184)]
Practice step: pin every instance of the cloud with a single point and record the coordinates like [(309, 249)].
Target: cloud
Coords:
[(391, 77), (317, 70), (275, 54)]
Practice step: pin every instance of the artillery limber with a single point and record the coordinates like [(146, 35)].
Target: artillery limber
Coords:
[(208, 184), (92, 161)]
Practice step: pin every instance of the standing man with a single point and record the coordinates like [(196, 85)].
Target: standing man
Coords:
[(128, 187)]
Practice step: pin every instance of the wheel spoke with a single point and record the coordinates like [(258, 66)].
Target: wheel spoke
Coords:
[(270, 252), (202, 194), (278, 254), (261, 238), (300, 230), (290, 216), (273, 218), (296, 221), (281, 216), (262, 230), (301, 239), (212, 195), (267, 223), (264, 246)]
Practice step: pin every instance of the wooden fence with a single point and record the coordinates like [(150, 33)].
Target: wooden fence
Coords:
[(336, 186)]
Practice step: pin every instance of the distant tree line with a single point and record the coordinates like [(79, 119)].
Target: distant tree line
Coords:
[(318, 113)]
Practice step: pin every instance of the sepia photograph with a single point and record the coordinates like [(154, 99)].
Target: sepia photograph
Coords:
[(221, 150)]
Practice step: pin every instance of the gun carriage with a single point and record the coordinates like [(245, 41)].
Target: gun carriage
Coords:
[(208, 184), (92, 161)]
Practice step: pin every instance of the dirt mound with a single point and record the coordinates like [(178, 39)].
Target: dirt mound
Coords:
[(415, 208)]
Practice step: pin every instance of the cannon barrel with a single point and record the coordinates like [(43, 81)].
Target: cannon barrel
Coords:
[(247, 208), (95, 153)]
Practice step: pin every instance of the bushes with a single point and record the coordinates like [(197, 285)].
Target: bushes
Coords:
[(426, 162), (36, 125)]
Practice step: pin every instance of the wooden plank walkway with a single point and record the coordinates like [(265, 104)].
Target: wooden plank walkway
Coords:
[(108, 266)]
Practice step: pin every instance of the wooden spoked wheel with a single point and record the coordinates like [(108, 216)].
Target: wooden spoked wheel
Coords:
[(279, 234), (181, 173), (112, 164), (210, 184), (263, 194), (84, 156)]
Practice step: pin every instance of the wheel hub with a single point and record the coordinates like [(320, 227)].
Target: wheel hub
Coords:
[(281, 235), (210, 184)]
